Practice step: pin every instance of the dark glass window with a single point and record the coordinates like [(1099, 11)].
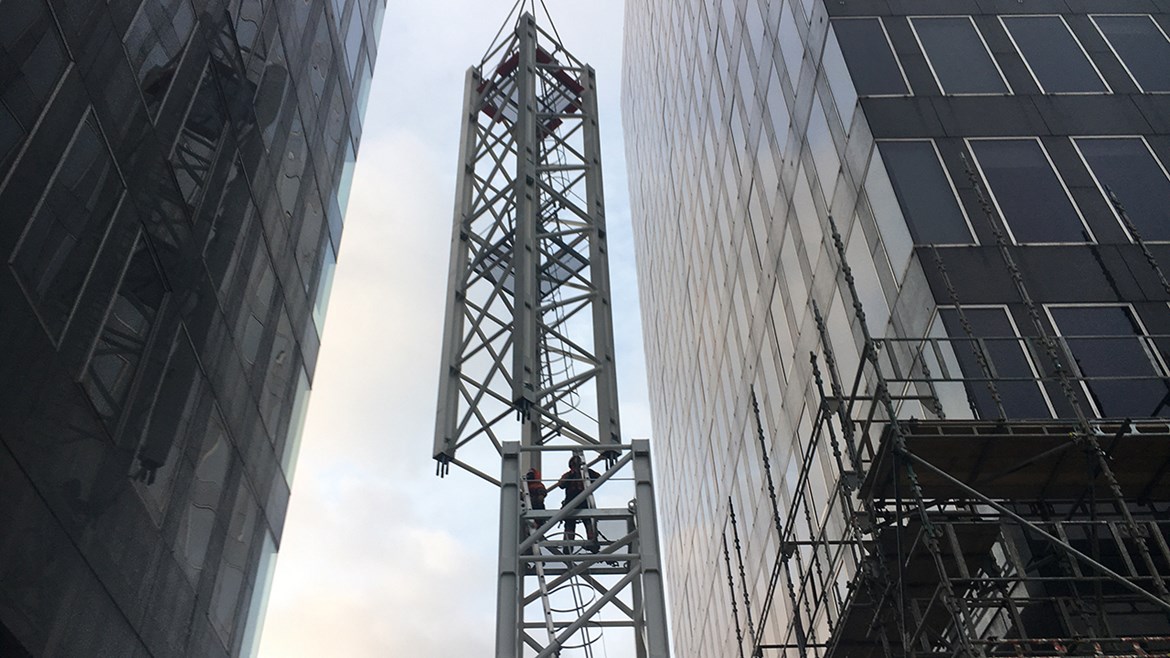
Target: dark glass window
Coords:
[(32, 60), (994, 337), (231, 574), (274, 92), (869, 57), (320, 59), (247, 15), (197, 144), (1118, 370), (279, 374), (309, 239), (167, 431), (924, 191), (1125, 167), (1142, 46), (155, 42), (197, 524), (1053, 54), (958, 56), (124, 336), (64, 235), (1034, 204), (10, 134)]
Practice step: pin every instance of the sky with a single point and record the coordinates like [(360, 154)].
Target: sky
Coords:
[(379, 557)]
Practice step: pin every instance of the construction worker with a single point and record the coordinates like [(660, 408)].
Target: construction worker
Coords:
[(537, 492), (573, 482)]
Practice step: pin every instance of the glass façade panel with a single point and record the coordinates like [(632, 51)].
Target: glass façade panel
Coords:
[(32, 61), (1030, 196), (870, 57), (1053, 54), (957, 54), (994, 338), (125, 335), (1119, 373), (1126, 168), (155, 43), (65, 233), (1142, 47), (925, 193)]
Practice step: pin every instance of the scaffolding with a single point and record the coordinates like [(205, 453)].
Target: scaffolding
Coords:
[(528, 360), (933, 514)]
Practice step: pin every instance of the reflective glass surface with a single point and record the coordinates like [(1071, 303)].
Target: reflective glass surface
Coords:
[(1142, 46), (1053, 54), (1030, 197), (925, 193), (166, 171), (958, 55), (870, 59), (1125, 168), (1122, 377)]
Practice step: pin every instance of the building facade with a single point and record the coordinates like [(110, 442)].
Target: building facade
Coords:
[(173, 176), (885, 249)]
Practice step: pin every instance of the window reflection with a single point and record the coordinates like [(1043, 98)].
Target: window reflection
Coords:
[(207, 486), (1126, 168), (958, 55), (254, 622), (1053, 54), (168, 428), (1120, 372), (278, 374), (925, 192), (123, 339), (199, 140), (155, 42), (233, 564), (870, 57), (32, 60), (1142, 46), (353, 40), (1030, 196), (324, 286), (995, 338), (296, 426), (63, 237)]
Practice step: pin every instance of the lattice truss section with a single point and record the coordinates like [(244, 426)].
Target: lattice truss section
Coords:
[(529, 334), (583, 580), (528, 367)]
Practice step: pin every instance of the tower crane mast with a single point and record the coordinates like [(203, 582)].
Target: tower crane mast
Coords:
[(528, 360)]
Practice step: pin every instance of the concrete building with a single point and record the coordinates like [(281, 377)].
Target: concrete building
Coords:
[(173, 177), (906, 354)]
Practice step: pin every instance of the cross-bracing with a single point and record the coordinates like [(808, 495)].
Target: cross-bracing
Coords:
[(528, 377)]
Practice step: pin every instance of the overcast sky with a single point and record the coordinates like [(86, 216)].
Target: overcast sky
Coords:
[(379, 557)]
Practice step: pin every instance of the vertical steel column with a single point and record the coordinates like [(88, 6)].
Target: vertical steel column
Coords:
[(654, 599), (447, 413), (526, 251), (508, 594), (607, 398)]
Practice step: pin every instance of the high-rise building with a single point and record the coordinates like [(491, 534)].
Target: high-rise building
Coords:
[(903, 287), (173, 175)]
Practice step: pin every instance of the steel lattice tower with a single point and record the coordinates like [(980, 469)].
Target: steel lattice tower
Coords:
[(528, 359)]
